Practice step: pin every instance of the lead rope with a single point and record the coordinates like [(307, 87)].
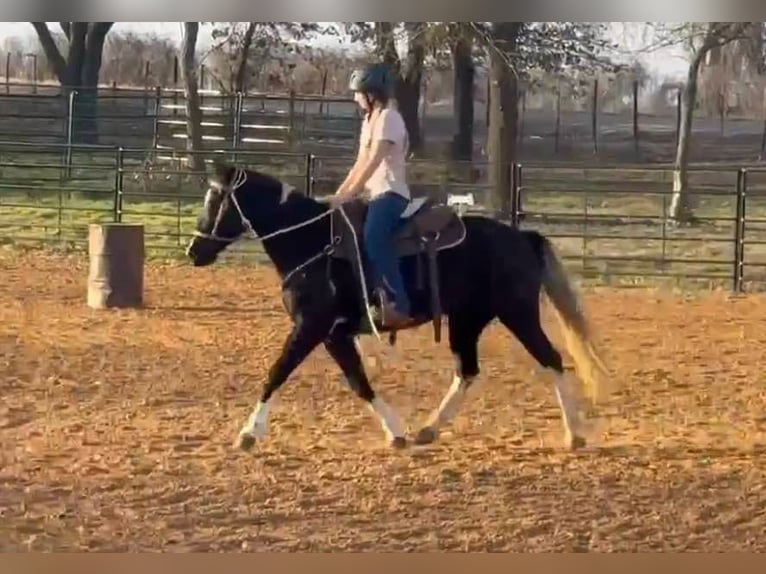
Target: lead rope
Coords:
[(240, 178)]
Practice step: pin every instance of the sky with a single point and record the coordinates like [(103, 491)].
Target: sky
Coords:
[(668, 63)]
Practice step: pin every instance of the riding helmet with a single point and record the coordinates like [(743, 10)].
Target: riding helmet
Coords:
[(374, 79)]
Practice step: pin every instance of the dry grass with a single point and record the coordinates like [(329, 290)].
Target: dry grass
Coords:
[(115, 429)]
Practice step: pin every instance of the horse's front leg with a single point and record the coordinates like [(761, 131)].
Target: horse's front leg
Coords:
[(305, 336), (340, 345)]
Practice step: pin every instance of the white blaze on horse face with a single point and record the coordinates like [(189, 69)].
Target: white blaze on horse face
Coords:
[(450, 403), (390, 421), (257, 425), (287, 189)]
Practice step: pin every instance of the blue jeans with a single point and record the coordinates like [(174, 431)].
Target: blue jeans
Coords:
[(380, 228)]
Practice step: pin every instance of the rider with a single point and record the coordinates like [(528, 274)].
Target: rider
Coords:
[(380, 169)]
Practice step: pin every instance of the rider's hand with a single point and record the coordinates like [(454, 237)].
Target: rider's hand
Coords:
[(338, 199)]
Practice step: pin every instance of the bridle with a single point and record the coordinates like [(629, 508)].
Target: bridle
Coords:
[(230, 191), (239, 179)]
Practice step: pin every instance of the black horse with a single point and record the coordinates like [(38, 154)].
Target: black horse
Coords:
[(493, 271)]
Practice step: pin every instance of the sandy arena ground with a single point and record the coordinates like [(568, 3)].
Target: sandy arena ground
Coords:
[(115, 429)]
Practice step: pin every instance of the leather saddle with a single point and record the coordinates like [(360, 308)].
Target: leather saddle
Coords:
[(430, 227)]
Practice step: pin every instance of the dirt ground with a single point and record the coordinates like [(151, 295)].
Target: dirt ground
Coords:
[(116, 429)]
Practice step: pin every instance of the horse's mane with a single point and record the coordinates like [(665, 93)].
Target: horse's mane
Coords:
[(307, 206), (225, 172)]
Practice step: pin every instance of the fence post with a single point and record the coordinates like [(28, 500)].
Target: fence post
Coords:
[(522, 117), (147, 72), (119, 164), (594, 118), (8, 73), (722, 109), (557, 131), (309, 175), (763, 136), (175, 85), (323, 92), (516, 209), (69, 134), (34, 73), (156, 123), (291, 118), (238, 103), (635, 117), (487, 100), (739, 231), (678, 115)]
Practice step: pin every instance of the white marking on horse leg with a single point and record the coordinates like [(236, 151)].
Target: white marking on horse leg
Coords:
[(390, 421), (372, 361), (452, 400), (568, 405), (257, 424)]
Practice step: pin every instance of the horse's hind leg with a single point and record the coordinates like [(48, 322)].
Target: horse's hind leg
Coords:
[(524, 322), (464, 333), (340, 345)]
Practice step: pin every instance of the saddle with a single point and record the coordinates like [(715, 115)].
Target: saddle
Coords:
[(430, 227)]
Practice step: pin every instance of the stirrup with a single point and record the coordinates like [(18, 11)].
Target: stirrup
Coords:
[(386, 306)]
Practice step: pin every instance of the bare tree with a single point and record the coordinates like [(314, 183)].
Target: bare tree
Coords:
[(409, 72), (503, 113), (240, 77), (243, 50), (731, 76), (513, 49), (699, 39), (79, 70), (191, 97), (463, 94)]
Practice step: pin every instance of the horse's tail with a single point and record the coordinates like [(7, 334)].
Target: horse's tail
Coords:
[(589, 366)]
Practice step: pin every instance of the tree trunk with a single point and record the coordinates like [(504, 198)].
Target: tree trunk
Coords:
[(385, 44), (195, 160), (410, 82), (240, 78), (462, 61), (86, 110), (79, 71), (680, 209), (503, 115), (409, 79)]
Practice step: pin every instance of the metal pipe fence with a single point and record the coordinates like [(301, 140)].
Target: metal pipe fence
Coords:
[(601, 123), (608, 223), (156, 120)]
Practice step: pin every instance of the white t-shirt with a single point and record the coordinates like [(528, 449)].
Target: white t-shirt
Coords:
[(390, 175)]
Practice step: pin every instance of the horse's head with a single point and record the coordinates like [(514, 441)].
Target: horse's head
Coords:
[(237, 201)]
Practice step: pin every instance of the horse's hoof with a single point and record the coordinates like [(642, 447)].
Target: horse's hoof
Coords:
[(245, 441), (426, 435), (576, 442), (399, 442)]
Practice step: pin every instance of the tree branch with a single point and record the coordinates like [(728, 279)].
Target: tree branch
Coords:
[(51, 51), (247, 42)]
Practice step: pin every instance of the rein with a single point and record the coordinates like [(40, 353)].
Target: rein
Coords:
[(240, 177)]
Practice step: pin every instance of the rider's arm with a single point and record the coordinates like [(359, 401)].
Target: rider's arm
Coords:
[(363, 172), (360, 157), (386, 132)]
